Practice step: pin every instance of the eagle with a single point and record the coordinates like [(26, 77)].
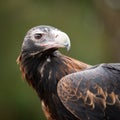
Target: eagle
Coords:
[(68, 88)]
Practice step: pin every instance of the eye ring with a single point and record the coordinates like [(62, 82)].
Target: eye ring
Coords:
[(37, 36)]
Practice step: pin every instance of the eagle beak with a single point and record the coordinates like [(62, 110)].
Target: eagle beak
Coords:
[(61, 39)]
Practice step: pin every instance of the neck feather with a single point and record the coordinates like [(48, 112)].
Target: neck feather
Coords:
[(43, 71)]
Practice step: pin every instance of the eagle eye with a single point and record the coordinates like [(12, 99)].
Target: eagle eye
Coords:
[(37, 36)]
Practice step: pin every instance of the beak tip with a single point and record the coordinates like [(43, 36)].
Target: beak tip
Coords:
[(68, 47)]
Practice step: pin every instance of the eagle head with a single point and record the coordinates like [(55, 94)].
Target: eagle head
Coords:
[(42, 38)]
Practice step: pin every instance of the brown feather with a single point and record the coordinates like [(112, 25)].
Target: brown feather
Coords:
[(44, 75), (92, 94)]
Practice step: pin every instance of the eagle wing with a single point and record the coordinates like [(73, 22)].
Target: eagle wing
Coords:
[(92, 94)]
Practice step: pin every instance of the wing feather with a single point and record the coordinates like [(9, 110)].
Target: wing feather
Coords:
[(92, 94)]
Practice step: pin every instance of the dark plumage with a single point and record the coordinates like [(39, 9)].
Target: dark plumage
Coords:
[(68, 89), (93, 94)]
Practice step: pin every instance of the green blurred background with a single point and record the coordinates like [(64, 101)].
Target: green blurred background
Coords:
[(92, 25)]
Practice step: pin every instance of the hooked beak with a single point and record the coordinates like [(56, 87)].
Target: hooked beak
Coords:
[(61, 39)]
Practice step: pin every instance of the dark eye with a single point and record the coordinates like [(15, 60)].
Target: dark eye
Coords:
[(37, 36)]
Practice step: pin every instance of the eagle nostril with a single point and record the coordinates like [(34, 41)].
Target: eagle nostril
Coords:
[(56, 36)]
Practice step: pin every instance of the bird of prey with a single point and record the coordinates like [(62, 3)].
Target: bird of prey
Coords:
[(68, 89)]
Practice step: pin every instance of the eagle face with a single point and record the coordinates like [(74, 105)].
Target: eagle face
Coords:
[(41, 38)]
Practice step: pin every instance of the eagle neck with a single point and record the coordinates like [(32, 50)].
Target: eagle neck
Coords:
[(42, 72)]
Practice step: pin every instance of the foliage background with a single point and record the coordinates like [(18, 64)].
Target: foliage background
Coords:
[(94, 30)]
